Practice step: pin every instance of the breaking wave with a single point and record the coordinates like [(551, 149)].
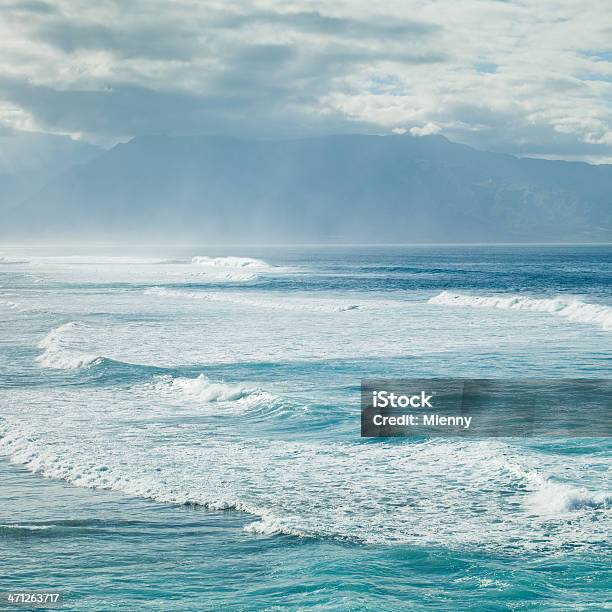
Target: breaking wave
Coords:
[(570, 309), (558, 498), (61, 350), (202, 389), (245, 300), (182, 391), (230, 262)]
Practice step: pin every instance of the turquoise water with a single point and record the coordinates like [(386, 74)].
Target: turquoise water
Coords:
[(183, 433)]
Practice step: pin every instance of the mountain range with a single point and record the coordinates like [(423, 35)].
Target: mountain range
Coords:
[(351, 188)]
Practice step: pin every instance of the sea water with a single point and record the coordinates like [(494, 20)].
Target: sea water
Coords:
[(179, 428)]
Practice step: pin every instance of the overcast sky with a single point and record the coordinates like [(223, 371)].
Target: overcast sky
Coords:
[(523, 77)]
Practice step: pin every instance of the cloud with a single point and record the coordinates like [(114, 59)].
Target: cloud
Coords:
[(536, 79), (427, 130), (28, 6), (150, 41)]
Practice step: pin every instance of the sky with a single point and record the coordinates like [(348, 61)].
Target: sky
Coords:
[(530, 78)]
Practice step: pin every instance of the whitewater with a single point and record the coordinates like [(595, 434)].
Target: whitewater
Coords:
[(571, 309), (226, 382)]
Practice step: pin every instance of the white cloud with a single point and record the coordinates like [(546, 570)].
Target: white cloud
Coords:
[(526, 77), (426, 130)]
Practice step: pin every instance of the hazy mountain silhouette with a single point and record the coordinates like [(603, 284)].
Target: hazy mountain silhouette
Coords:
[(338, 188), (29, 160)]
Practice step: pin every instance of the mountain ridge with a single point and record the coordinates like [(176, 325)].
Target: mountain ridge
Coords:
[(347, 188)]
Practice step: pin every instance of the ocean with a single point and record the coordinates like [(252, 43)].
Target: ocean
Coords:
[(180, 428)]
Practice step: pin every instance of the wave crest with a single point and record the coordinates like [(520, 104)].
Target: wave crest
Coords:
[(61, 350), (230, 262), (571, 309), (558, 498), (203, 389)]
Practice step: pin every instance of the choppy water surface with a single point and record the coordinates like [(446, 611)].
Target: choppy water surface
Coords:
[(196, 414)]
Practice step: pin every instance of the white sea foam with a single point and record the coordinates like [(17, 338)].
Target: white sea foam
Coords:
[(96, 269), (571, 309), (202, 389), (4, 259), (10, 304), (230, 262), (229, 276), (111, 260), (481, 582), (554, 498), (232, 269), (62, 350), (318, 480), (249, 300), (20, 527), (205, 392), (440, 493)]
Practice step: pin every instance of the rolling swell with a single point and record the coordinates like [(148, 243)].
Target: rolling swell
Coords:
[(571, 309), (63, 350)]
